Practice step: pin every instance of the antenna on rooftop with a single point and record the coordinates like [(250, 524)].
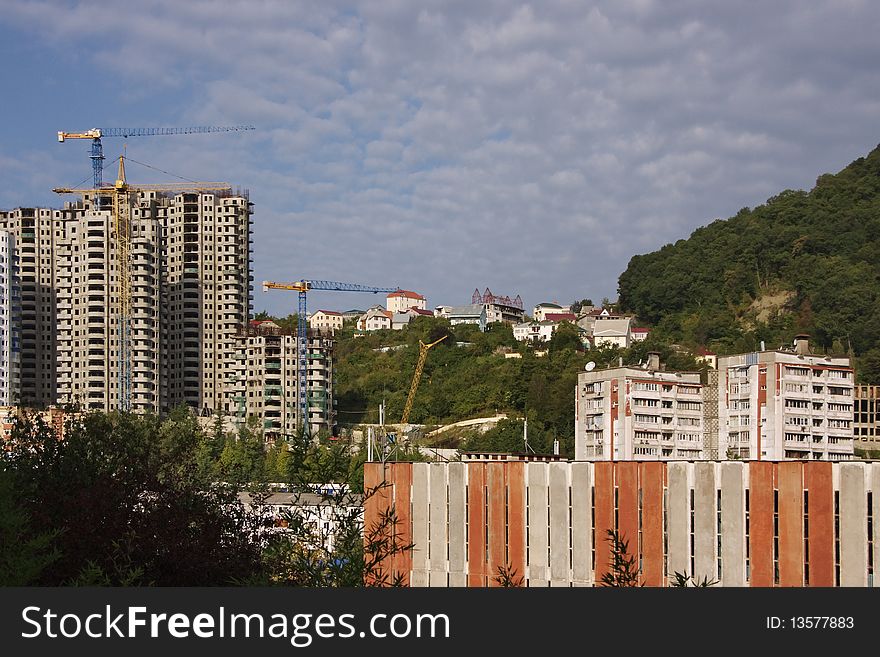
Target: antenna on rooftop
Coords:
[(590, 366)]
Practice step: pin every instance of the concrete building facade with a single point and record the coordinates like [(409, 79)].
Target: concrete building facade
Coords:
[(10, 322), (640, 414), (866, 417), (741, 524), (778, 405), (35, 231), (263, 381), (191, 289)]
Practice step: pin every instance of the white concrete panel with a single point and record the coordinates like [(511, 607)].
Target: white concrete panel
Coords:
[(705, 521), (582, 523), (457, 522), (560, 573), (420, 523), (538, 534), (853, 525), (438, 530), (678, 522), (733, 523)]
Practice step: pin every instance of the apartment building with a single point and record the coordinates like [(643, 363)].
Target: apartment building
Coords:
[(631, 413), (263, 381), (34, 232), (10, 321), (866, 417), (191, 289), (778, 405)]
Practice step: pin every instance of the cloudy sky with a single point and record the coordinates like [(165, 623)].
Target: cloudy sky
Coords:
[(445, 145)]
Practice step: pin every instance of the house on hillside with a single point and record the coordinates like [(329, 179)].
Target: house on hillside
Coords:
[(474, 313), (401, 300), (639, 334), (375, 319), (612, 333), (326, 320), (542, 309)]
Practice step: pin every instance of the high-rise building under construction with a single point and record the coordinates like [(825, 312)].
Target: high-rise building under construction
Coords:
[(190, 290)]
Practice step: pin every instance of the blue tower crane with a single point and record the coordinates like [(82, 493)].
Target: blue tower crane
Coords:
[(302, 287)]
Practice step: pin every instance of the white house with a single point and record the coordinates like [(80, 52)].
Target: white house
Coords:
[(541, 309), (375, 319), (534, 331), (401, 300), (326, 319), (612, 333), (639, 334)]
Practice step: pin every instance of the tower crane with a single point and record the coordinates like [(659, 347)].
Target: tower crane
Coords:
[(423, 355), (97, 152), (121, 194), (302, 287)]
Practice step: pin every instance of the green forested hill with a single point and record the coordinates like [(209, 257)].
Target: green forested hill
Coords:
[(802, 262)]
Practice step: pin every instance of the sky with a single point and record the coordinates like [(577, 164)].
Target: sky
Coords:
[(443, 146)]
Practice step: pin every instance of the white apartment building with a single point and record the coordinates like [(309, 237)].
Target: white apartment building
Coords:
[(34, 230), (263, 381), (630, 413), (777, 405), (400, 300), (191, 289), (10, 318)]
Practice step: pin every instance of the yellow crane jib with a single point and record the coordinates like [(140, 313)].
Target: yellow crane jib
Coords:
[(423, 355)]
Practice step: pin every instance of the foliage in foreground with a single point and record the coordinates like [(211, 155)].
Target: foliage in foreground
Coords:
[(128, 500)]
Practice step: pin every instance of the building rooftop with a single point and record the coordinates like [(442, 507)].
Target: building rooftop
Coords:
[(406, 293)]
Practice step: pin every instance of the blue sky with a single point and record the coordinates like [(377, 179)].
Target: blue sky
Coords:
[(441, 146)]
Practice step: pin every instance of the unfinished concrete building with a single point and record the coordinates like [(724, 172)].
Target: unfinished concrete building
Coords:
[(34, 231), (191, 289), (10, 299), (264, 382)]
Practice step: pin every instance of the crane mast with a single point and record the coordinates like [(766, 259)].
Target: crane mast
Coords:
[(423, 355), (302, 287)]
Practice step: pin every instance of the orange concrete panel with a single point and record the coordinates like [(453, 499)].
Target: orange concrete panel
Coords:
[(516, 517), (627, 476), (761, 522), (603, 497), (652, 475), (790, 482), (476, 552), (375, 503), (820, 510), (497, 520), (402, 479)]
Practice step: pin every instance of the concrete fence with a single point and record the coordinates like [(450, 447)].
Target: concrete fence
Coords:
[(755, 523)]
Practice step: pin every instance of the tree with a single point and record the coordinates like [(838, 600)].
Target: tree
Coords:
[(122, 500), (26, 552), (622, 569)]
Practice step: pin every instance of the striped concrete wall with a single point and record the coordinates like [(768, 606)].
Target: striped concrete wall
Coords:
[(754, 523)]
